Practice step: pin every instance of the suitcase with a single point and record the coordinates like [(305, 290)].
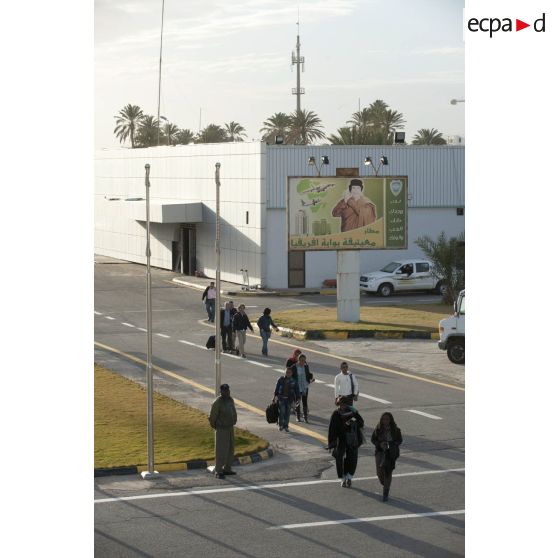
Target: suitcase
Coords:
[(210, 342)]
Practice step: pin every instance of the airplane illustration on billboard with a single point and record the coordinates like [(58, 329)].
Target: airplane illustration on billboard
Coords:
[(313, 202), (318, 189)]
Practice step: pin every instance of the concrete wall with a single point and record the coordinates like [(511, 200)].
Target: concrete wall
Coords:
[(185, 174)]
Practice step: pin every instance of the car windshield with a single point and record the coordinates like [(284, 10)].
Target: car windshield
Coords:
[(391, 267)]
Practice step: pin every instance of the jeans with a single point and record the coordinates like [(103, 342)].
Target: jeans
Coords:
[(210, 307), (284, 412), (265, 335), (304, 404)]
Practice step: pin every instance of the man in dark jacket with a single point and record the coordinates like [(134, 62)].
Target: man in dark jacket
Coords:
[(241, 322), (343, 427), (222, 419), (265, 323), (286, 393), (227, 315)]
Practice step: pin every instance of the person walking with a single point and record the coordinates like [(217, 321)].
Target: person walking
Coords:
[(227, 314), (293, 359), (387, 438), (222, 419), (286, 393), (265, 323), (241, 322), (344, 438), (209, 296), (303, 376), (346, 385)]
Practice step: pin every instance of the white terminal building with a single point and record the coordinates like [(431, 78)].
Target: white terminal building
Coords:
[(253, 205)]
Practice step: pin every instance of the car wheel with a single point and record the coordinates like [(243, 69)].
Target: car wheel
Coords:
[(456, 350), (385, 289), (441, 288)]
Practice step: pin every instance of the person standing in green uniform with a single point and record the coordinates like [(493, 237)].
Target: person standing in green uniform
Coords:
[(222, 419)]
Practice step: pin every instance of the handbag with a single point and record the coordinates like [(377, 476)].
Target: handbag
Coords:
[(272, 412)]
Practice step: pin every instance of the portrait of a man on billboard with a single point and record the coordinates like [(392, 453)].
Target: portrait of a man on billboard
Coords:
[(355, 209)]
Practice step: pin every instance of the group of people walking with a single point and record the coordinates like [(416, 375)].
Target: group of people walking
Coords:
[(234, 323)]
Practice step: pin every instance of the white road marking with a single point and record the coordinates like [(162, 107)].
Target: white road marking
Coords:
[(163, 335), (192, 344), (109, 318), (319, 381), (98, 313), (279, 370), (142, 329), (259, 364), (232, 356), (367, 519), (423, 414), (265, 486), (127, 324), (385, 402)]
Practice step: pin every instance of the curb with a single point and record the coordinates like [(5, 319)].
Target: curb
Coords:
[(183, 466), (258, 292), (357, 334)]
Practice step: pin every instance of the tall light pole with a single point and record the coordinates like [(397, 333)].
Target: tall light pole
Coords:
[(150, 473), (217, 281), (160, 64)]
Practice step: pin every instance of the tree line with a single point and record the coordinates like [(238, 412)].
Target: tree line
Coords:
[(375, 124)]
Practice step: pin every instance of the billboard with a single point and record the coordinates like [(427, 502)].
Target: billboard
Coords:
[(332, 213)]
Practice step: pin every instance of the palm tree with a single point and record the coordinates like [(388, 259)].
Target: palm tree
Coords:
[(184, 137), (277, 124), (235, 131), (127, 122), (170, 131), (429, 137), (353, 136), (361, 118), (305, 127), (390, 122), (212, 133), (148, 129)]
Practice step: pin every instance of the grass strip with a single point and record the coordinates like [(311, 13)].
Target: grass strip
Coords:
[(181, 433), (380, 318)]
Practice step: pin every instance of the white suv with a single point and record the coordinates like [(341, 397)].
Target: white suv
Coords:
[(402, 276)]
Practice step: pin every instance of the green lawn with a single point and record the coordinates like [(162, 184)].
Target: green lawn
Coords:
[(379, 318), (181, 433)]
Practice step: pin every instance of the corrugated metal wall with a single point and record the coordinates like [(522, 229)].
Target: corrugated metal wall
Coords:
[(436, 173)]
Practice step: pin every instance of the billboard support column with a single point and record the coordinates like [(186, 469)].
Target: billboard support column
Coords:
[(348, 285)]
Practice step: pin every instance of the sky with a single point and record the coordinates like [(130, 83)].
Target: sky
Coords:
[(232, 61)]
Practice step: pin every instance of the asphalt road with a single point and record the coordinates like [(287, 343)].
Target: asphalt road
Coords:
[(427, 407)]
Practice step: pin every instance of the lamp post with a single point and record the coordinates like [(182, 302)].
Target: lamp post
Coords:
[(217, 281), (383, 161), (323, 161), (150, 473)]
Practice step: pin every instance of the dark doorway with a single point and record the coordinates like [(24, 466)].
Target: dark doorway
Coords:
[(188, 252), (184, 251), (297, 269)]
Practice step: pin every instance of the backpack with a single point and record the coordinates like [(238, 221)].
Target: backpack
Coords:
[(210, 342), (353, 436), (272, 413)]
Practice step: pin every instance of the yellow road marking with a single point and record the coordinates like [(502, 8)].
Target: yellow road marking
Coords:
[(238, 402), (345, 359)]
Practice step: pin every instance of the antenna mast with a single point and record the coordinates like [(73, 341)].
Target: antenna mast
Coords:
[(299, 61)]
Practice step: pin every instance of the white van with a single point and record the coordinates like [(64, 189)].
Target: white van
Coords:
[(402, 276), (452, 332)]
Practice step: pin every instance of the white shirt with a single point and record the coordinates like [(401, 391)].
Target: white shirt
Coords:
[(343, 384), (211, 293)]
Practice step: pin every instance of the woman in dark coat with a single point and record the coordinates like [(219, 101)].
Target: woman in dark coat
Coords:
[(344, 421), (387, 439)]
